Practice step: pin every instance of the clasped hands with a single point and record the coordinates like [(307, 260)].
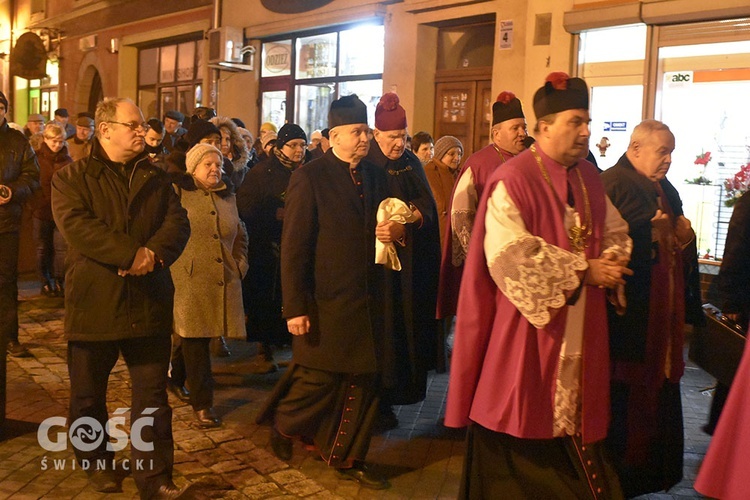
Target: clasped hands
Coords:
[(144, 262), (608, 271)]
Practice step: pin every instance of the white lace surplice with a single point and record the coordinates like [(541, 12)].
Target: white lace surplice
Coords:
[(463, 212), (538, 278)]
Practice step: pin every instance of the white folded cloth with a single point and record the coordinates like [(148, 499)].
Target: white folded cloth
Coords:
[(397, 211)]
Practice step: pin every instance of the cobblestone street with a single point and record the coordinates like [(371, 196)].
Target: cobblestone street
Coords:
[(421, 458)]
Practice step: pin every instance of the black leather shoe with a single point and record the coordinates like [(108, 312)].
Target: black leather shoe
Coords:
[(281, 445), (361, 474), (17, 350), (167, 492), (207, 419), (104, 481), (180, 391)]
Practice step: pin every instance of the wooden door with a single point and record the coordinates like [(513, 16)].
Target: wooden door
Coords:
[(463, 110), (483, 118)]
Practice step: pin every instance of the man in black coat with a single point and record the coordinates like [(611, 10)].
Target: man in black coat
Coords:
[(646, 340), (410, 347), (124, 226), (333, 299), (19, 177)]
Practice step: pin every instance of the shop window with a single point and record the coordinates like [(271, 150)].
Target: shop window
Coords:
[(316, 56), (277, 59), (697, 97), (612, 61), (169, 77), (327, 65)]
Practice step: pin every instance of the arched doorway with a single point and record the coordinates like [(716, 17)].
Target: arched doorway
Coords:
[(90, 90), (96, 92)]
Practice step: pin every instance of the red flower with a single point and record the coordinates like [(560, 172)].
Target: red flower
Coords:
[(703, 159)]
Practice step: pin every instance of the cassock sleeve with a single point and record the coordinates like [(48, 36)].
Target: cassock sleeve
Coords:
[(463, 211), (535, 276), (616, 240)]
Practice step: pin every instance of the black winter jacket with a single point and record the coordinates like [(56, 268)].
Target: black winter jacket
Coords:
[(19, 171), (105, 218)]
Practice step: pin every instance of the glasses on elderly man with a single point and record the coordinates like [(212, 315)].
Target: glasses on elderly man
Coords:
[(134, 126)]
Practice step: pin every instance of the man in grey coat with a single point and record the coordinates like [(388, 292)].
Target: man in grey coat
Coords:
[(124, 226)]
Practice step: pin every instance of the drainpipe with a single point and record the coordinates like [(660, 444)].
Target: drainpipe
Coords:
[(213, 95), (11, 80)]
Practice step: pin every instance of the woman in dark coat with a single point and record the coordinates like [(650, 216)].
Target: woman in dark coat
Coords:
[(260, 201), (51, 247)]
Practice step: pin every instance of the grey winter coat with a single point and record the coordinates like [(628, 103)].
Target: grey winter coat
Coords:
[(207, 277)]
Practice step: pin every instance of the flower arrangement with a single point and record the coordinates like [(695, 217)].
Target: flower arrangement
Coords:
[(737, 185), (702, 159)]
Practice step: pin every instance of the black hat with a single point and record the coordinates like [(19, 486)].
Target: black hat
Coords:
[(506, 107), (239, 122), (324, 132), (347, 111), (204, 113), (560, 93), (87, 114), (175, 115), (61, 112), (289, 132), (200, 129)]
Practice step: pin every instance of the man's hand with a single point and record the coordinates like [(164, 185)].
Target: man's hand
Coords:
[(142, 264), (389, 231), (299, 325), (607, 272), (683, 230), (6, 193)]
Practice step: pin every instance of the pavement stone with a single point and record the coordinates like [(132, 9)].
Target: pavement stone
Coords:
[(421, 457)]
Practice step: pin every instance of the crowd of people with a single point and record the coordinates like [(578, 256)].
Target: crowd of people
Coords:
[(568, 285)]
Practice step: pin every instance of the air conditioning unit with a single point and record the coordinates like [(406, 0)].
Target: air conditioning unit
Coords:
[(225, 45)]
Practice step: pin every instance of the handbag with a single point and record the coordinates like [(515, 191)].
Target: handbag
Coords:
[(718, 346)]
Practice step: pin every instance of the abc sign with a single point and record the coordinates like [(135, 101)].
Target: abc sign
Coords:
[(681, 77)]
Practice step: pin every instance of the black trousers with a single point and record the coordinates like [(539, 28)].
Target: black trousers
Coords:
[(336, 410), (8, 305), (191, 363), (9, 287), (147, 359), (50, 251), (500, 466)]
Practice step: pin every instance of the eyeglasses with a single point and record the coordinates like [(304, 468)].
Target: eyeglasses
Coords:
[(295, 146), (134, 126)]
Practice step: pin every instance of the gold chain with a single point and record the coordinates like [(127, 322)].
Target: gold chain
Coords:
[(578, 234)]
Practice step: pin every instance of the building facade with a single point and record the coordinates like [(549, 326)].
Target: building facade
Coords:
[(675, 60)]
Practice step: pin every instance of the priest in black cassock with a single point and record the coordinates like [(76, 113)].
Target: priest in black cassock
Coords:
[(646, 340), (410, 347), (333, 299)]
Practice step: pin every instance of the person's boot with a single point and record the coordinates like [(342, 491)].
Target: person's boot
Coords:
[(48, 290), (59, 288), (263, 361), (219, 348), (17, 350)]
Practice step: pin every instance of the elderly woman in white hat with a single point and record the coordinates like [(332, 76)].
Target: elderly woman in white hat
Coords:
[(207, 277)]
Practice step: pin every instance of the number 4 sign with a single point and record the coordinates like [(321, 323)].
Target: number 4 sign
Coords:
[(506, 35)]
